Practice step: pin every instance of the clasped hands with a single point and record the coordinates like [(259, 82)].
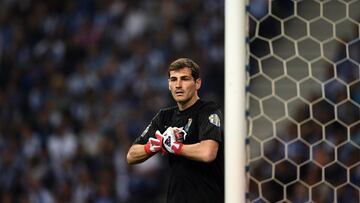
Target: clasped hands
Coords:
[(171, 141)]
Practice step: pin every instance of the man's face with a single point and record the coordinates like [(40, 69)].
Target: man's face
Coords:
[(182, 85)]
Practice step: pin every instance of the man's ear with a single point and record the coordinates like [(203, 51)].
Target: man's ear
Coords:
[(169, 84), (198, 83)]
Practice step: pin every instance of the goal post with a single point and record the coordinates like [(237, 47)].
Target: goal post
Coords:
[(235, 101)]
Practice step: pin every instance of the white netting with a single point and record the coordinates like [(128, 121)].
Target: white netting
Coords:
[(304, 101)]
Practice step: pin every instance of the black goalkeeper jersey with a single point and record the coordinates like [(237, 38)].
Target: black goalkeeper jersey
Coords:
[(192, 181)]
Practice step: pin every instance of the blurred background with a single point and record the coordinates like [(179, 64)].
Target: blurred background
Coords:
[(80, 80)]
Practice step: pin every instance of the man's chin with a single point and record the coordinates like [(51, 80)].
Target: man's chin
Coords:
[(180, 99)]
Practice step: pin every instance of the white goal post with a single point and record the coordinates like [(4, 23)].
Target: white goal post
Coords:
[(235, 101)]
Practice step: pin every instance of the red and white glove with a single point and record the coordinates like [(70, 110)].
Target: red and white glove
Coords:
[(160, 137), (180, 134), (173, 138), (154, 144)]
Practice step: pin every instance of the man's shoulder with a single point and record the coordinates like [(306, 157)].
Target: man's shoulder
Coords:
[(168, 109), (210, 106), (166, 112), (211, 111)]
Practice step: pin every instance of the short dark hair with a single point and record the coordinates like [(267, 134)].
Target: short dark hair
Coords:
[(185, 63)]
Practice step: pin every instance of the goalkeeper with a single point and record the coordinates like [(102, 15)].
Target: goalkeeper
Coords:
[(190, 135)]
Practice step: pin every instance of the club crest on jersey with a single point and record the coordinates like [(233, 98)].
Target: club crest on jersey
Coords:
[(188, 124), (214, 119)]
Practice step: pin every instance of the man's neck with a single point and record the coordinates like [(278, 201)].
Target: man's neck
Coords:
[(186, 105)]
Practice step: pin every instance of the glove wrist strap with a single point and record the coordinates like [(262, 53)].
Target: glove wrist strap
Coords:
[(147, 149)]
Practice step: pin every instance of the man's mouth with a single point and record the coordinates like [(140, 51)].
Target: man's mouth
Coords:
[(179, 92)]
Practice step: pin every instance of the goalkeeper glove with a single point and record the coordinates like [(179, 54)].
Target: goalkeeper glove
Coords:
[(180, 134), (173, 138), (160, 137), (154, 144)]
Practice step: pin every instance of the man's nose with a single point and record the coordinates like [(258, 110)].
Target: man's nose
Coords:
[(178, 83)]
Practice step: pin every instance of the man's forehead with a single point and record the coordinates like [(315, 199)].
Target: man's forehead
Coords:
[(180, 72)]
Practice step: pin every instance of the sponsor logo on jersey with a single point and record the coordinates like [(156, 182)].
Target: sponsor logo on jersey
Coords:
[(214, 119)]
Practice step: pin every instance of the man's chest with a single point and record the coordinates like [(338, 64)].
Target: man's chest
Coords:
[(189, 124)]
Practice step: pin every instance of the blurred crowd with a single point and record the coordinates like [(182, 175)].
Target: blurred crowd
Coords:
[(80, 80)]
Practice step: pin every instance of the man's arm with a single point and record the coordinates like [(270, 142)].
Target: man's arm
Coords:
[(204, 151), (137, 154)]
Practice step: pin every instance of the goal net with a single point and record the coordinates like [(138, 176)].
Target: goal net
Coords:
[(303, 101)]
